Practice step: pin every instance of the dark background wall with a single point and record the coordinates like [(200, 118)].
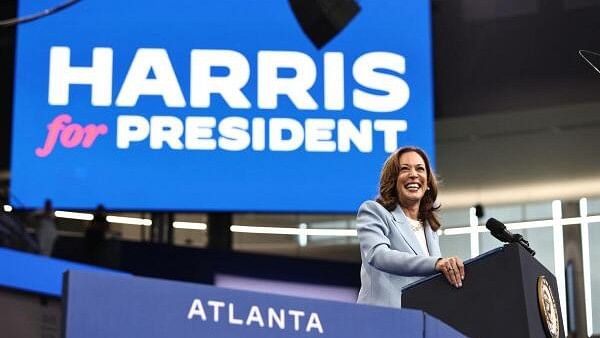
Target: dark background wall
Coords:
[(493, 56)]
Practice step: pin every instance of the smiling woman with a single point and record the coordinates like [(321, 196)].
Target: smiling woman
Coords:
[(397, 232), (407, 180)]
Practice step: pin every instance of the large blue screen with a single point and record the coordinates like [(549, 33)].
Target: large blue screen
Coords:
[(222, 105)]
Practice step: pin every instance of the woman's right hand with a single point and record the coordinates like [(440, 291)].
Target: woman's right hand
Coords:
[(453, 269)]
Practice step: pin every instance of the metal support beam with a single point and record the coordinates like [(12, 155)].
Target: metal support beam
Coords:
[(219, 235), (576, 316), (162, 228)]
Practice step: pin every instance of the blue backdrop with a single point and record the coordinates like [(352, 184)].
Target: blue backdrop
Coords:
[(86, 166)]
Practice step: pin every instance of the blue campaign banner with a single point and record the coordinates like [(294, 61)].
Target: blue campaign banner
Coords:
[(105, 305), (223, 105)]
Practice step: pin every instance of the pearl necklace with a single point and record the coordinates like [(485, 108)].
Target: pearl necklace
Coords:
[(416, 226)]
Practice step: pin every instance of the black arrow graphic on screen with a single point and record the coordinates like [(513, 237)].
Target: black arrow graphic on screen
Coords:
[(322, 20)]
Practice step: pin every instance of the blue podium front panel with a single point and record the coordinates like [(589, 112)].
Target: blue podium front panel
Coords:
[(104, 305)]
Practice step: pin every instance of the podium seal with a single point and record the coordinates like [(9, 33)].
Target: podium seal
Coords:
[(548, 308)]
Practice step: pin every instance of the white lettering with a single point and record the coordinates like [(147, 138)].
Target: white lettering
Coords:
[(234, 133), (319, 134), (163, 84), (276, 137), (364, 72), (274, 317), (270, 85), (131, 128), (333, 80), (165, 129), (232, 319), (196, 310), (296, 314), (62, 75), (203, 84), (362, 138), (198, 135), (278, 73), (255, 316), (390, 129), (314, 323), (216, 305), (258, 134)]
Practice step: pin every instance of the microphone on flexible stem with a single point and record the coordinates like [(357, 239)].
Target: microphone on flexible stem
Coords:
[(498, 230)]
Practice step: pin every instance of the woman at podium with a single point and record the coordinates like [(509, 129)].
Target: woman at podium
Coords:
[(397, 231)]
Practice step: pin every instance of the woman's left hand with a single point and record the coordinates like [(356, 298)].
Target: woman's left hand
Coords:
[(453, 269)]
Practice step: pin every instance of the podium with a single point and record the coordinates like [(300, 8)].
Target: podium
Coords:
[(99, 305), (506, 293)]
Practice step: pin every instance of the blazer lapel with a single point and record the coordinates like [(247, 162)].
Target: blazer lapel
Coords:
[(432, 242), (406, 231)]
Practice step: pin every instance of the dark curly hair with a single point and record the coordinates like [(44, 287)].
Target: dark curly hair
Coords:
[(388, 192)]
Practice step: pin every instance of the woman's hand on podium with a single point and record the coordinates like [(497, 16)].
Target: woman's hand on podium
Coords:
[(453, 268)]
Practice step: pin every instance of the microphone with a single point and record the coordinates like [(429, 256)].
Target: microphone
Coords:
[(498, 230)]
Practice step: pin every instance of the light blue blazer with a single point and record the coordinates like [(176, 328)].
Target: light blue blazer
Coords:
[(391, 255)]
